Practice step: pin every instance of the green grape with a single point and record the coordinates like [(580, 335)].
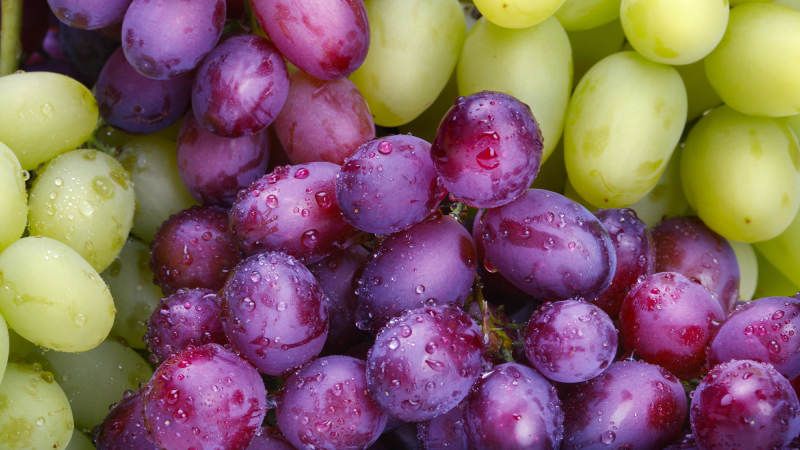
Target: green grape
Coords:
[(112, 137), (84, 198), (743, 2), (518, 13), (784, 251), (748, 269), (553, 173), (160, 193), (130, 281), (742, 174), (95, 379), (5, 346), (533, 65), (80, 442), (754, 68), (771, 282), (623, 123), (34, 412), (666, 199), (427, 124), (573, 195), (43, 114), (53, 297), (18, 346), (13, 197), (577, 15), (590, 46), (413, 48), (699, 92), (790, 3)]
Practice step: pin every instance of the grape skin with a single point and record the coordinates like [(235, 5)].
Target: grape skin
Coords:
[(13, 198), (89, 14), (123, 427), (444, 432)]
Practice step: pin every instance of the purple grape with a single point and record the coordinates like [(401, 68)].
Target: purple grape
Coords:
[(424, 362), (549, 246), (135, 104), (325, 406), (268, 438), (744, 405), (323, 120), (570, 341), (204, 398), (123, 428), (433, 263), (166, 39), (389, 185), (89, 14), (687, 246), (328, 39), (86, 51), (488, 149), (292, 210), (631, 405), (765, 330), (240, 87), (636, 256), (445, 431), (188, 317), (274, 312), (513, 407), (215, 169)]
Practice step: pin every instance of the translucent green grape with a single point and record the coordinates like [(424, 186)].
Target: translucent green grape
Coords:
[(5, 346), (748, 269), (666, 199), (783, 252), (518, 13), (80, 442), (572, 194), (578, 15), (553, 173), (743, 2), (700, 94), (590, 46), (427, 124), (18, 346), (771, 282), (13, 197)]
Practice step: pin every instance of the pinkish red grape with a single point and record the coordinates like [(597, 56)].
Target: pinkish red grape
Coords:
[(123, 428)]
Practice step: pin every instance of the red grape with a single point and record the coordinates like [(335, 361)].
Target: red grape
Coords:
[(444, 432), (89, 14), (123, 428)]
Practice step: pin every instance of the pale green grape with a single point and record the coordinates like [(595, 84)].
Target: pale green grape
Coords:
[(742, 174), (34, 412), (43, 114), (80, 442), (748, 269), (742, 2), (699, 92), (771, 282), (784, 251), (18, 346), (666, 199), (413, 48), (590, 46), (518, 13), (625, 119), (578, 15), (754, 68), (790, 3), (13, 197), (573, 195), (130, 281), (533, 65), (53, 297), (153, 166), (553, 173), (115, 138), (84, 198), (427, 124), (5, 346)]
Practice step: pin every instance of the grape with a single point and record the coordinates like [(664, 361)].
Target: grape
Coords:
[(123, 428), (56, 115), (534, 65), (666, 199), (209, 389), (89, 14), (790, 3), (274, 312), (590, 46), (742, 174), (52, 297), (426, 124), (79, 441), (630, 405), (5, 346), (323, 120), (578, 15), (782, 251), (771, 282), (240, 87), (445, 431), (396, 171), (136, 104), (700, 95), (518, 13), (85, 51), (18, 347), (748, 269), (449, 343), (513, 407), (744, 405), (168, 39), (292, 210), (328, 39), (269, 439), (13, 197), (750, 67), (488, 149), (433, 263), (742, 2), (405, 71)]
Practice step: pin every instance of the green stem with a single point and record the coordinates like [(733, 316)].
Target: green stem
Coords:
[(10, 29)]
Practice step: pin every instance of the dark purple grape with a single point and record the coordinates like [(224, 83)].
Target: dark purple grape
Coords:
[(89, 14), (424, 362), (268, 438), (444, 432), (188, 317), (744, 405), (215, 169), (631, 405), (292, 210), (432, 263), (274, 312), (636, 256), (166, 39), (488, 149), (325, 406), (204, 398), (135, 104), (123, 427), (766, 330), (328, 39), (193, 249), (687, 246), (549, 246), (86, 51), (323, 120), (389, 185)]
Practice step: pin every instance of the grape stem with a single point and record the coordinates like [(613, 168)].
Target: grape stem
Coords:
[(495, 337), (10, 43)]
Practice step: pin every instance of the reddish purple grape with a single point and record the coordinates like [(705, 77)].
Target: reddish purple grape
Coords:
[(687, 246), (424, 362), (204, 398), (488, 149), (89, 14), (444, 432), (274, 312), (193, 249), (744, 405), (389, 185), (292, 210), (549, 246), (323, 120), (432, 263), (123, 427), (268, 438)]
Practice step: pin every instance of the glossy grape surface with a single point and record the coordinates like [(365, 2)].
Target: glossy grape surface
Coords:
[(89, 14), (268, 438), (445, 431), (13, 197), (123, 427)]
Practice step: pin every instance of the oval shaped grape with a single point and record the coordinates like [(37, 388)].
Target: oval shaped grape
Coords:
[(123, 427), (518, 13), (775, 250), (578, 15), (13, 197), (91, 14)]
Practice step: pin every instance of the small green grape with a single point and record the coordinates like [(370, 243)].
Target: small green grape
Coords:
[(13, 197), (699, 93), (771, 282), (577, 15), (783, 252), (518, 13), (666, 199), (80, 442), (748, 269), (590, 46)]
